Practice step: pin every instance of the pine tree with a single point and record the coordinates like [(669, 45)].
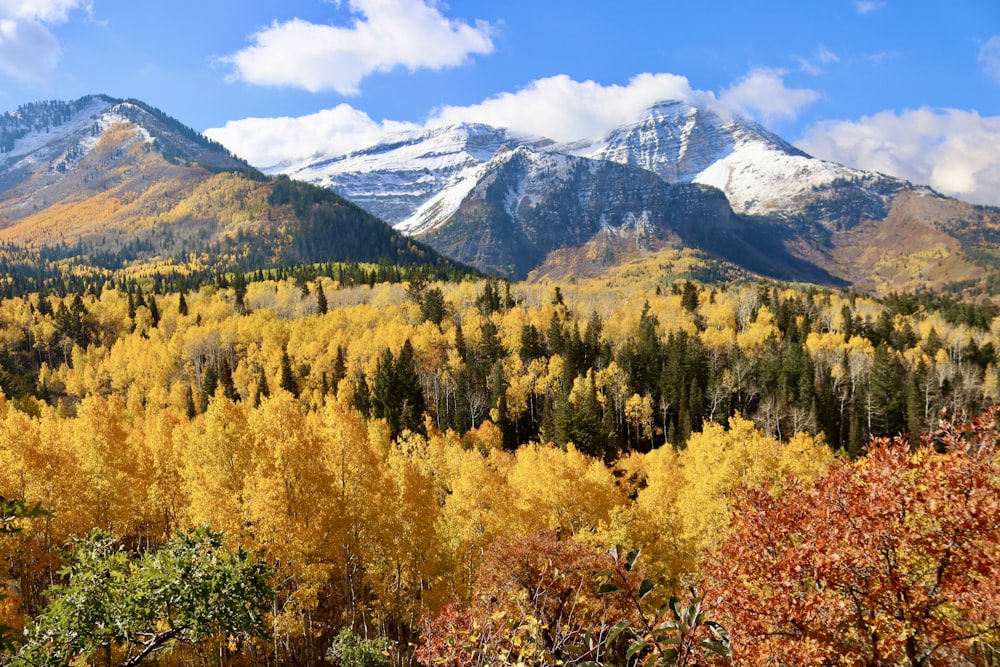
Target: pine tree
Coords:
[(432, 306), (189, 408), (321, 304), (209, 384), (362, 399), (409, 390), (287, 379), (226, 381), (384, 395), (262, 391), (154, 311), (339, 367)]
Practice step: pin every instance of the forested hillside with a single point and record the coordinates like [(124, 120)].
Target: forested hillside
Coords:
[(389, 444)]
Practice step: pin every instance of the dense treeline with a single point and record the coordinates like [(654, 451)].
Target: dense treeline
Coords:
[(371, 442), (589, 369)]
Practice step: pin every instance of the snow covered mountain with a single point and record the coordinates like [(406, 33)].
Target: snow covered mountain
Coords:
[(417, 180), (503, 203), (760, 173), (55, 136), (397, 176)]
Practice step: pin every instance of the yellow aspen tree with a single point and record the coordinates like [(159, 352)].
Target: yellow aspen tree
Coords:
[(754, 335), (110, 466), (639, 416), (475, 513), (719, 460), (167, 498), (287, 506), (403, 563), (562, 490), (355, 463), (217, 460)]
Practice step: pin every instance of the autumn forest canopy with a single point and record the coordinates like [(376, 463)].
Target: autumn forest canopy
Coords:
[(374, 464)]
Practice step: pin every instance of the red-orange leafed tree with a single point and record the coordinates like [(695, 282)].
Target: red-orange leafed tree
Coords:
[(893, 559), (537, 602)]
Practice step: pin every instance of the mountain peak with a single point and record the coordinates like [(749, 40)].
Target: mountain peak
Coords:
[(53, 135)]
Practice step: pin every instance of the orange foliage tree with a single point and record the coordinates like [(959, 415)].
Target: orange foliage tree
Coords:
[(893, 559), (537, 601)]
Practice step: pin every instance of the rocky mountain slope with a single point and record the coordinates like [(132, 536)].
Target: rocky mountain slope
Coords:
[(106, 184), (684, 176)]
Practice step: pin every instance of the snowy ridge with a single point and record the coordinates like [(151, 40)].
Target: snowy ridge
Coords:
[(417, 180), (105, 121), (400, 175), (443, 205), (759, 180), (62, 146), (542, 172), (673, 140), (35, 146)]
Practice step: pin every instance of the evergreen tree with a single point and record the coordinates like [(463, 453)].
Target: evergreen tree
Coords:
[(384, 397), (888, 393), (362, 399), (409, 390), (262, 391), (689, 296), (287, 377), (532, 346), (209, 383), (339, 367), (226, 381), (189, 407), (321, 304), (432, 306), (154, 311)]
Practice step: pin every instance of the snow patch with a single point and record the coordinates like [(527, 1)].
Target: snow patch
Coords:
[(759, 180)]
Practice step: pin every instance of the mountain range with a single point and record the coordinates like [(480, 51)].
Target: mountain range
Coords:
[(102, 184), (677, 176)]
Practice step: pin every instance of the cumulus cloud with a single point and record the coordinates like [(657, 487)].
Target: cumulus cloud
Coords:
[(562, 109), (989, 58), (387, 34), (28, 51), (955, 152), (762, 94), (267, 142), (556, 107)]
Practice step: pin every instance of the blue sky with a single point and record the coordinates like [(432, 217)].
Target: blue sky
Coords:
[(909, 87)]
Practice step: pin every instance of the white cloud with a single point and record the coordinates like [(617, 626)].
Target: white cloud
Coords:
[(557, 108), (562, 109), (868, 6), (955, 152), (46, 11), (266, 142), (989, 58), (28, 51), (762, 94), (814, 65), (388, 34)]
